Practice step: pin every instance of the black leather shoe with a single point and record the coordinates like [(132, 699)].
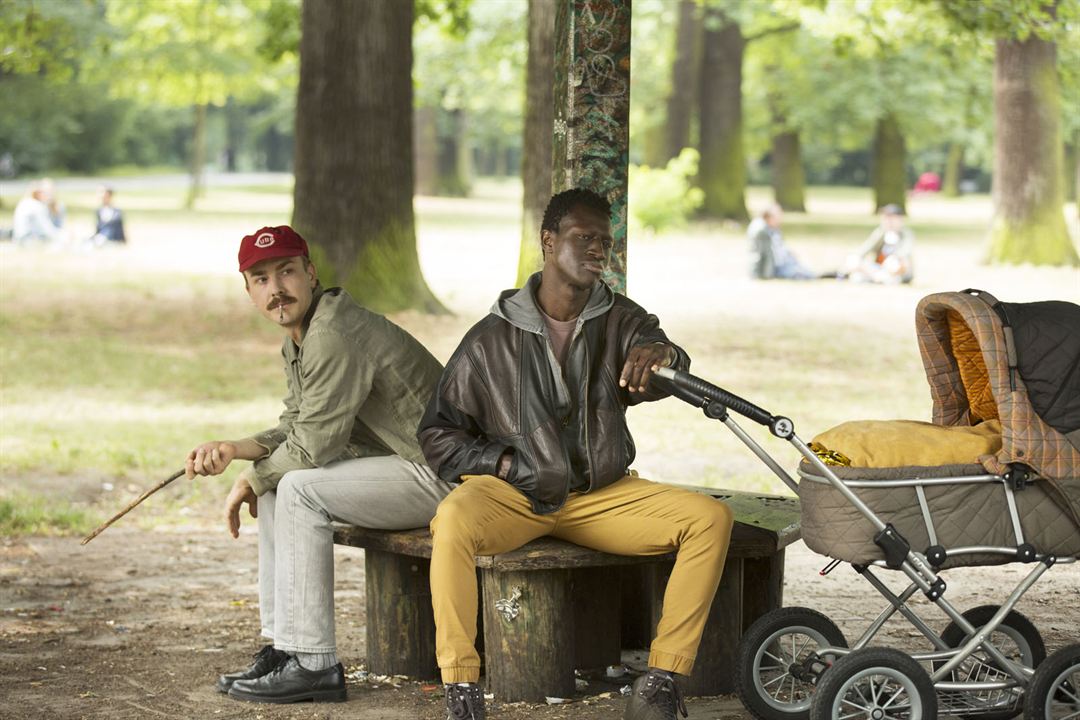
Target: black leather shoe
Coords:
[(265, 660), (290, 683)]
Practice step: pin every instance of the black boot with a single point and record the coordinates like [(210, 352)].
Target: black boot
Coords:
[(290, 683), (464, 702), (265, 660), (655, 696)]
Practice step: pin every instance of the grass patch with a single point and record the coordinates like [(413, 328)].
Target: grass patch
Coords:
[(114, 364), (25, 514)]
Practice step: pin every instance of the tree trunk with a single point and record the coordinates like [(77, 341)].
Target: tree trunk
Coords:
[(592, 112), (954, 168), (536, 145), (1072, 171), (277, 149), (354, 166), (198, 157), (680, 104), (789, 182), (888, 174), (1029, 223), (426, 146), (722, 171)]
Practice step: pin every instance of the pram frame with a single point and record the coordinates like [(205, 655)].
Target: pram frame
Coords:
[(715, 403)]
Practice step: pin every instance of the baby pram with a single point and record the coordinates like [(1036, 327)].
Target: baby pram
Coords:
[(990, 365)]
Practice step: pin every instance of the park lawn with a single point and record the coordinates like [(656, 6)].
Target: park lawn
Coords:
[(114, 363)]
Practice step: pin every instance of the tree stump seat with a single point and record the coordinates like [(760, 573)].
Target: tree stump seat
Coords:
[(551, 607)]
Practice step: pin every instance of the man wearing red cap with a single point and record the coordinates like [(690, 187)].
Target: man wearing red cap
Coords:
[(344, 450)]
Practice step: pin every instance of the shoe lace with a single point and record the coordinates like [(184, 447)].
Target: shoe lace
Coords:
[(463, 703), (662, 690), (269, 653)]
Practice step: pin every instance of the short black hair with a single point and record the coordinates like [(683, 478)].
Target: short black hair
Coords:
[(562, 203)]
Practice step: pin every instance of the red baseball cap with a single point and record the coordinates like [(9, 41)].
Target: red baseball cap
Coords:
[(270, 242)]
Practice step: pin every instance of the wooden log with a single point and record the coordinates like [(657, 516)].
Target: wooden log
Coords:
[(528, 635), (401, 626), (763, 586), (596, 602)]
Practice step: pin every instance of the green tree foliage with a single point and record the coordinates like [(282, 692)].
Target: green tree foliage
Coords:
[(187, 53), (1029, 167), (663, 198), (469, 76)]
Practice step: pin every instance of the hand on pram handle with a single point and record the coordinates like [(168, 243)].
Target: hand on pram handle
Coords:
[(702, 393)]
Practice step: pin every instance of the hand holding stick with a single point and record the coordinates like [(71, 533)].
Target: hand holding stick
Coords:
[(131, 506)]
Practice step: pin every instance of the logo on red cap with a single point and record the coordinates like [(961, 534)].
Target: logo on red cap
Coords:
[(270, 242)]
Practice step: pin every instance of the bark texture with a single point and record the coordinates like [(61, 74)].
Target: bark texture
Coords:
[(426, 149), (722, 170), (1029, 194), (537, 146), (888, 174), (789, 181), (198, 157), (354, 162), (954, 168), (680, 104), (592, 111)]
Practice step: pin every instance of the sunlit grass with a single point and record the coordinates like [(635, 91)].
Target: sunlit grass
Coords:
[(114, 364), (24, 514)]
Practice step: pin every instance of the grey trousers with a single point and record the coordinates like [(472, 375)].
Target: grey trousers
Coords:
[(296, 543)]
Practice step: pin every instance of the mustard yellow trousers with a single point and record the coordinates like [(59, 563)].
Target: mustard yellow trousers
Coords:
[(486, 516)]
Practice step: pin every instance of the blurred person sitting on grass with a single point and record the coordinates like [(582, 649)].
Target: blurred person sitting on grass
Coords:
[(886, 256), (110, 221), (33, 222), (344, 450), (770, 257)]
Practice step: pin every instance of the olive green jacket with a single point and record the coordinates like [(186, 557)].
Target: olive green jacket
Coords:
[(357, 387)]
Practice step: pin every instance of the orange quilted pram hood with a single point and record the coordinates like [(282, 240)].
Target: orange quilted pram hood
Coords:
[(988, 360)]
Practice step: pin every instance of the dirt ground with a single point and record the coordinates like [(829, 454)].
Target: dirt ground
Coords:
[(139, 623)]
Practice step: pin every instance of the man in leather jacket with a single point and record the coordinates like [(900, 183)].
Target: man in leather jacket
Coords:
[(529, 418)]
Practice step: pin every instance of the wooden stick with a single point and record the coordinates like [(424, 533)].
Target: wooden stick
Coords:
[(131, 506)]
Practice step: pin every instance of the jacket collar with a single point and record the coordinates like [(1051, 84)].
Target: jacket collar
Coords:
[(520, 308), (292, 349)]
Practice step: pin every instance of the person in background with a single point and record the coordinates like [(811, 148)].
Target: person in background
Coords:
[(770, 258), (33, 222), (110, 221), (886, 256)]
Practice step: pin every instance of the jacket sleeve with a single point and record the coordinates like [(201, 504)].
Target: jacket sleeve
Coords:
[(337, 380), (452, 440), (270, 439), (646, 330)]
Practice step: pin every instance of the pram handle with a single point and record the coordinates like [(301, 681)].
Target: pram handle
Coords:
[(705, 389)]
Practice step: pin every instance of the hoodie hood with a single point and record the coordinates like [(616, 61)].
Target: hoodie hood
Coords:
[(520, 308)]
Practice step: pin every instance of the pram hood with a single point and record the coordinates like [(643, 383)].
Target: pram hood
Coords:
[(1016, 362)]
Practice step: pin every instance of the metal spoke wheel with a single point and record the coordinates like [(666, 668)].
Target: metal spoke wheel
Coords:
[(1016, 637), (775, 671), (1054, 692), (875, 684)]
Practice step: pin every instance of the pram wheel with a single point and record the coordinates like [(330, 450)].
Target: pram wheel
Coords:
[(1054, 692), (774, 672), (876, 684), (1016, 637)]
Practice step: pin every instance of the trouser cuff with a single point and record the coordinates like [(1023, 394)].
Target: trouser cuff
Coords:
[(671, 662), (460, 674)]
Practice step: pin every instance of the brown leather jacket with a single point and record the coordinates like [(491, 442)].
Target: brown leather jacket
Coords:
[(503, 388)]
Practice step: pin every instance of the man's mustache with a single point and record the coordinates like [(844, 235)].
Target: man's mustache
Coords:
[(279, 300)]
